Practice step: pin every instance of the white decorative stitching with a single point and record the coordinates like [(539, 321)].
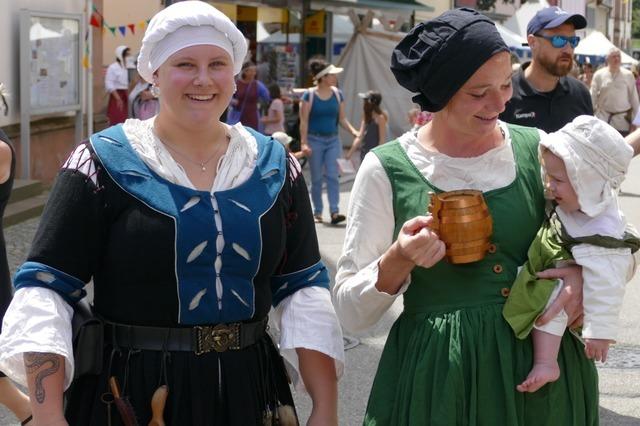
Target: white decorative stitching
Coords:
[(197, 251), (241, 251), (242, 206), (192, 202), (196, 299), (314, 275), (240, 298)]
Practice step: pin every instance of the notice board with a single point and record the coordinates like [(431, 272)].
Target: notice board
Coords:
[(51, 61)]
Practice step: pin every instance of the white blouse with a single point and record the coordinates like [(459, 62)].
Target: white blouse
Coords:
[(116, 78), (39, 320)]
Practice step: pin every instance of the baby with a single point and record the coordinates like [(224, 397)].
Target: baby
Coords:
[(584, 164)]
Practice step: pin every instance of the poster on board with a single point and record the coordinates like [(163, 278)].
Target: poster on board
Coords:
[(54, 62)]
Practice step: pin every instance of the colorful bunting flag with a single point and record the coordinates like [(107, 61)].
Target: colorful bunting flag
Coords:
[(97, 20)]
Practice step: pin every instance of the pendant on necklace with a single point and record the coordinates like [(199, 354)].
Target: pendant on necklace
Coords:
[(204, 169)]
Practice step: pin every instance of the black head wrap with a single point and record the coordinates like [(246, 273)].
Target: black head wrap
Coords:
[(437, 57)]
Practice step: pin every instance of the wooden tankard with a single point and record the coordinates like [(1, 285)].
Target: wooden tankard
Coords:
[(463, 222)]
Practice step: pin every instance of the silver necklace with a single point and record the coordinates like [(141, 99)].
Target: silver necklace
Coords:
[(202, 165)]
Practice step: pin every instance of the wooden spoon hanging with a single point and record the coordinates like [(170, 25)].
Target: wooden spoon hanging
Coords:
[(158, 401)]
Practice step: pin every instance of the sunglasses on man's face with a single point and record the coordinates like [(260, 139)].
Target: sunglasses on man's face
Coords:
[(559, 41)]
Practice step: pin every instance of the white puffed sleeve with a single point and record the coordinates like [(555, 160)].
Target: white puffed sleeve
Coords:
[(37, 320), (369, 233), (307, 319), (604, 273)]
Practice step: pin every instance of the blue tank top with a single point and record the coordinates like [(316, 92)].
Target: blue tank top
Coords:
[(323, 117)]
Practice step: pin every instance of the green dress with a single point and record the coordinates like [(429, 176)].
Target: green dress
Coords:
[(450, 358)]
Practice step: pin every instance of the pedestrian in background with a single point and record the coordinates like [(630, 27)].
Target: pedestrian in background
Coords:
[(544, 95), (274, 120), (418, 118), (249, 92), (191, 231), (142, 103), (321, 111), (614, 94), (373, 126), (116, 83), (451, 358), (587, 74)]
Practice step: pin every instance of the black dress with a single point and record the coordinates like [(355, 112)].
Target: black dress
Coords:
[(5, 279), (112, 219)]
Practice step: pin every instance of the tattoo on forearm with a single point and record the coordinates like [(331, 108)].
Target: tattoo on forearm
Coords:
[(34, 361)]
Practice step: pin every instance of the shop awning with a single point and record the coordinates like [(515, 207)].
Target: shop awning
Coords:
[(341, 6), (399, 5)]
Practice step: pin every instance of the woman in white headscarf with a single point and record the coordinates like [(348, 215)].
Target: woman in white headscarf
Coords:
[(190, 230), (116, 83)]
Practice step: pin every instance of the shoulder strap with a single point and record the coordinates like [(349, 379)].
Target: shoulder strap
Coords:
[(311, 92), (336, 92), (629, 240)]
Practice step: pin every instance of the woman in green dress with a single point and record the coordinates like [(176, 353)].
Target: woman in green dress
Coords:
[(450, 358)]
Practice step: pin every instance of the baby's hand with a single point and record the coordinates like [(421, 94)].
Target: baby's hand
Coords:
[(597, 348)]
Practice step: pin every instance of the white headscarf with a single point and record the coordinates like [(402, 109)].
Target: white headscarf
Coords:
[(119, 54), (185, 24), (596, 157)]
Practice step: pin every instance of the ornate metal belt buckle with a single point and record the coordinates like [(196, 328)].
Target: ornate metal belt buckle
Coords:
[(219, 338)]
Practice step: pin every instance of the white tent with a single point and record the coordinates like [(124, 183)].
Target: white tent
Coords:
[(519, 21), (597, 44), (514, 41), (366, 62)]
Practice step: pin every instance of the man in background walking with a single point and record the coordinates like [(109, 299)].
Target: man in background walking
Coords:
[(614, 94), (544, 96)]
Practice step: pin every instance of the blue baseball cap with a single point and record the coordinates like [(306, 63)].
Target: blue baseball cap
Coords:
[(552, 17)]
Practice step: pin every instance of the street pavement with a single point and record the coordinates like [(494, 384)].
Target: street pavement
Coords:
[(619, 377)]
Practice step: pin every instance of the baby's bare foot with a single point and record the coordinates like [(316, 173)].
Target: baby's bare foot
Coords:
[(541, 374)]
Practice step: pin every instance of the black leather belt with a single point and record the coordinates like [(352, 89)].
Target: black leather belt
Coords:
[(198, 339)]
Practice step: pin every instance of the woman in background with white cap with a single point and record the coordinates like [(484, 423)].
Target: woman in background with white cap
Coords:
[(190, 230), (116, 83), (321, 110)]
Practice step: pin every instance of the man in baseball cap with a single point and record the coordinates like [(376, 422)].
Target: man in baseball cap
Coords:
[(544, 96)]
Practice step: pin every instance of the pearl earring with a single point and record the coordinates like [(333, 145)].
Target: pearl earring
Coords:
[(155, 91), (235, 87)]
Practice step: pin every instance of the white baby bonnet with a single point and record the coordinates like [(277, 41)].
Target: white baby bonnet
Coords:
[(596, 157)]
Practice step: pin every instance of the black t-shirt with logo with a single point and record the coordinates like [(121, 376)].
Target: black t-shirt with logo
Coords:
[(548, 111)]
